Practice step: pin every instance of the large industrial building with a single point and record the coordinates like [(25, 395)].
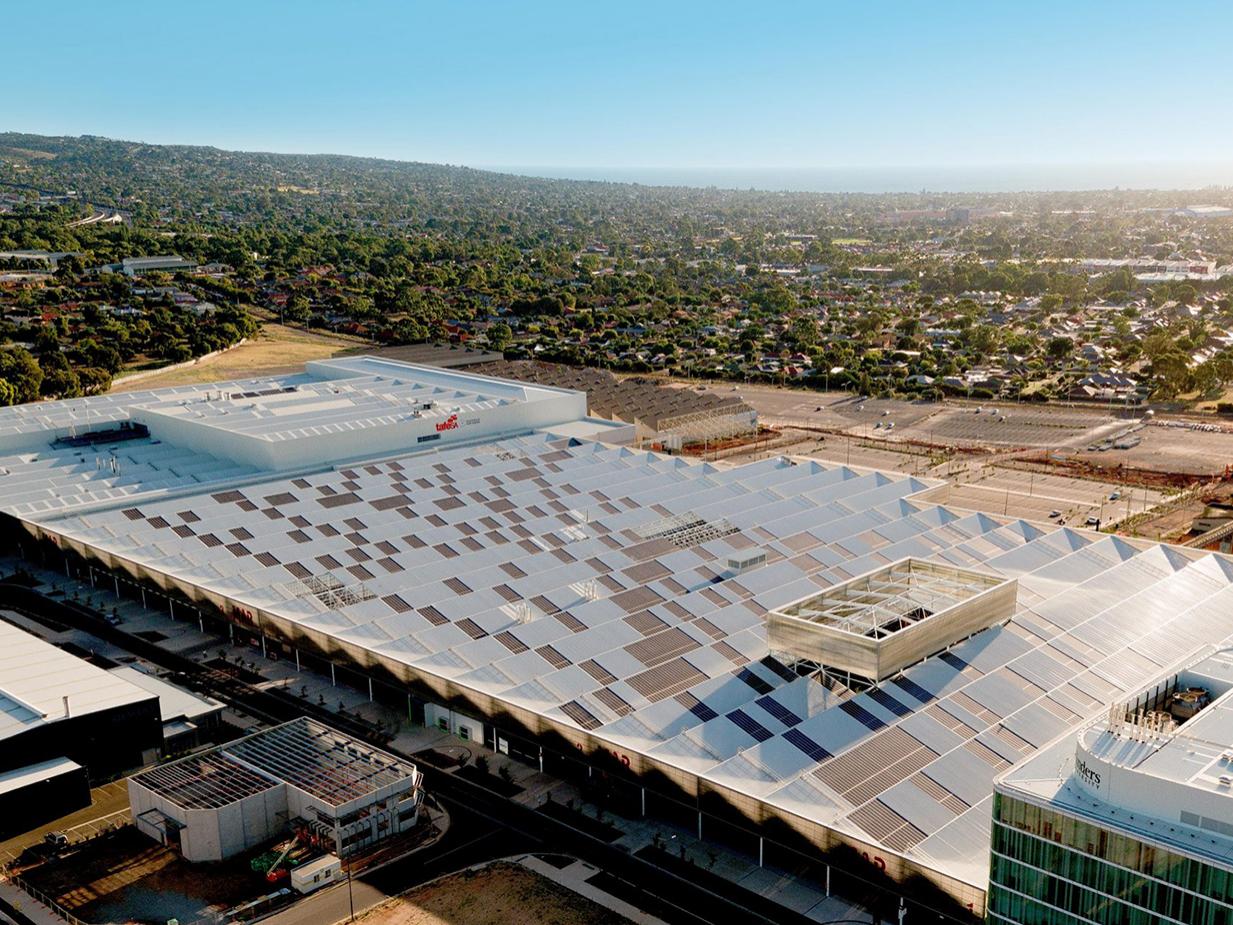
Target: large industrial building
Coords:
[(1130, 822), (54, 704), (63, 721), (216, 804), (804, 660)]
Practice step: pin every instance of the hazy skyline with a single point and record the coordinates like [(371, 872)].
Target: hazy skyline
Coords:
[(615, 87)]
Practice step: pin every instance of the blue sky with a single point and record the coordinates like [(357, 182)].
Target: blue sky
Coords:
[(634, 84)]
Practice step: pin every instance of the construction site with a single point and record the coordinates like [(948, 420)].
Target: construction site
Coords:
[(1138, 473)]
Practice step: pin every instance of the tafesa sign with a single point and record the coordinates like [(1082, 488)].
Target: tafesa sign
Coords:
[(453, 423)]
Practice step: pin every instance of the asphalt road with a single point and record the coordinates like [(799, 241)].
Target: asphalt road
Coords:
[(471, 839)]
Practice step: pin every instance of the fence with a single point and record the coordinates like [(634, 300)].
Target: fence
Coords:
[(40, 896)]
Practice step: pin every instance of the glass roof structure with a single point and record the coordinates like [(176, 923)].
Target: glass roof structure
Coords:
[(592, 587)]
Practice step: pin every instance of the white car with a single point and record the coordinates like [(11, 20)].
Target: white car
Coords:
[(1053, 515)]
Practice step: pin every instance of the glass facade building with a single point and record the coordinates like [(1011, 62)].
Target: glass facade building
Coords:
[(1053, 868)]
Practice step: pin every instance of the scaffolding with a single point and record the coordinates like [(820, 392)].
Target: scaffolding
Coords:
[(327, 589), (685, 530)]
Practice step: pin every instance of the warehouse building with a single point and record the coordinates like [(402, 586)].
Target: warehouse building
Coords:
[(807, 661), (188, 719), (302, 774), (63, 722)]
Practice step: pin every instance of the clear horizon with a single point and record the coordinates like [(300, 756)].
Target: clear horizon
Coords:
[(689, 85)]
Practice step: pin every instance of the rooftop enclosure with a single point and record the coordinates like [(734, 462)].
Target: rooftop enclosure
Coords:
[(879, 623)]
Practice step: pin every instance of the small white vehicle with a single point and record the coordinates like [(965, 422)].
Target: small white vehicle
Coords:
[(1053, 515)]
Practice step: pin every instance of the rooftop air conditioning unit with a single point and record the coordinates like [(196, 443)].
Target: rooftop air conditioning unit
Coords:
[(747, 561)]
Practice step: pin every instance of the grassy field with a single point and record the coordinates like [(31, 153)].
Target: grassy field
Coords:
[(496, 895), (277, 349)]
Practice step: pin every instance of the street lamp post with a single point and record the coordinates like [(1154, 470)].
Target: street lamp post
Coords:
[(350, 894)]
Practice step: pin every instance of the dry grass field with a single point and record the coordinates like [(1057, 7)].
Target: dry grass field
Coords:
[(495, 895), (276, 349)]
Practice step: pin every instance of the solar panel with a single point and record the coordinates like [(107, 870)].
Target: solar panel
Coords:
[(883, 699), (775, 665), (702, 711), (918, 692), (754, 681), (953, 660), (778, 710), (750, 725), (808, 746), (861, 715)]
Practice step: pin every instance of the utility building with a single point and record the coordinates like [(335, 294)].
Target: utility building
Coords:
[(219, 803)]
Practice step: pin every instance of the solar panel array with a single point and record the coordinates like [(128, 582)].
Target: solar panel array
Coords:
[(320, 761), (535, 570)]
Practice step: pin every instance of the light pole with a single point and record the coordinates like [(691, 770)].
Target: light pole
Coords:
[(350, 895)]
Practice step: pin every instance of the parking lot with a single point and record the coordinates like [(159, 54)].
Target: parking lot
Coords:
[(965, 424), (108, 808), (1035, 496), (1025, 426), (1170, 449)]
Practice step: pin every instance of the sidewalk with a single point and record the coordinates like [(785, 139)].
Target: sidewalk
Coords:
[(574, 878), (26, 905)]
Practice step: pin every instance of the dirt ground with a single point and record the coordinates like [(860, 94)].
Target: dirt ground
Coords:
[(1170, 449), (277, 349), (496, 895), (127, 877)]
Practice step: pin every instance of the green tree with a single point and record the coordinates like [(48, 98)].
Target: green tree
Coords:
[(499, 335), (22, 372)]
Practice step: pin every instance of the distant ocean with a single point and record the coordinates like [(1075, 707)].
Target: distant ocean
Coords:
[(993, 179)]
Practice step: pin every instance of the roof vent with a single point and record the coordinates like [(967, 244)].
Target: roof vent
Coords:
[(746, 561), (521, 611)]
